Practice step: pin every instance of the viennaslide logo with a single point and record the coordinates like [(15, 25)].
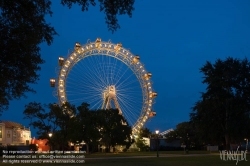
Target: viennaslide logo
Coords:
[(233, 155)]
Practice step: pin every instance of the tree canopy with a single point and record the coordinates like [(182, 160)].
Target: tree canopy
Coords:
[(185, 132), (23, 28), (111, 8), (140, 142), (68, 123), (222, 116)]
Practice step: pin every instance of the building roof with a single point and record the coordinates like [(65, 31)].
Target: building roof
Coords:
[(9, 124)]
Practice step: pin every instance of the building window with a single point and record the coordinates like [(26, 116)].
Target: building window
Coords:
[(8, 134), (1, 132)]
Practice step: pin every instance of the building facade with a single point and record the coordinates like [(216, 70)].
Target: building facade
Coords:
[(12, 133)]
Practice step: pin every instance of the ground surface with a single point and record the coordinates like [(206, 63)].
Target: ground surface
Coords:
[(193, 158)]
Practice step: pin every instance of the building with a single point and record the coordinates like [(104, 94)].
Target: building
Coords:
[(12, 133), (164, 145)]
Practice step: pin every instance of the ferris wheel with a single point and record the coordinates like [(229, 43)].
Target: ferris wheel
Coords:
[(106, 75)]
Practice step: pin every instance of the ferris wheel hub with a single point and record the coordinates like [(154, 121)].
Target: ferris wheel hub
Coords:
[(109, 94)]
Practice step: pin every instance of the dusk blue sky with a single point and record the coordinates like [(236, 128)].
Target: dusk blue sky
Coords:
[(173, 38)]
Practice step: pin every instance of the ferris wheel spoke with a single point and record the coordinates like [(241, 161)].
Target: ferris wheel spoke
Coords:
[(80, 84), (129, 91), (82, 90), (130, 96), (131, 103), (93, 72), (88, 74), (92, 77), (113, 69), (126, 116), (99, 68), (96, 105), (120, 72), (89, 99), (86, 91), (120, 76), (128, 85), (103, 69), (85, 85), (129, 107), (82, 93), (107, 68), (81, 100), (120, 83)]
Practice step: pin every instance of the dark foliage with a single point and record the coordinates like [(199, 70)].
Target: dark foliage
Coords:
[(111, 8), (222, 116), (22, 29)]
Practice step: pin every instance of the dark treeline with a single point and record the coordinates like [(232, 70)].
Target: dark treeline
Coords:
[(76, 125)]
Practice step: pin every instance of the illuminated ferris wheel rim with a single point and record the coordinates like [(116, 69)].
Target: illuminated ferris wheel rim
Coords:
[(116, 51)]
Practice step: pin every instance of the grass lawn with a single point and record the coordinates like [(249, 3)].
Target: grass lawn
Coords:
[(150, 159), (152, 153)]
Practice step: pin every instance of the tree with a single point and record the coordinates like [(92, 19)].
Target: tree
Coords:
[(140, 142), (23, 28), (145, 132), (111, 8), (86, 127), (51, 118), (223, 113), (65, 116), (40, 119), (186, 133), (114, 131), (68, 123)]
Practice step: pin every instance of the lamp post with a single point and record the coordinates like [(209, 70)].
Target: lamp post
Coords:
[(246, 142), (157, 140), (50, 135)]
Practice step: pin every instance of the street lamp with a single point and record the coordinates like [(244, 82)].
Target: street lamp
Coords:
[(157, 140), (246, 142), (50, 135)]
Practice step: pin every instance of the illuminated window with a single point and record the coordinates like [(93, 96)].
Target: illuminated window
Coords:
[(1, 132), (8, 134)]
